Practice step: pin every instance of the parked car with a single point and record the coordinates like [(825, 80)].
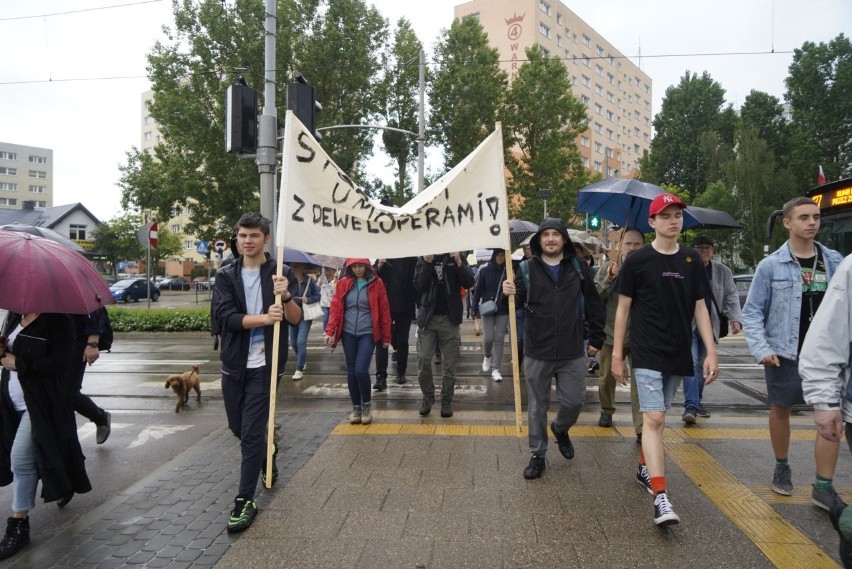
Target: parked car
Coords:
[(173, 283), (131, 290), (200, 283), (743, 283)]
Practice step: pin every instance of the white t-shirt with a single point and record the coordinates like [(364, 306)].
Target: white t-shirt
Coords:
[(254, 305), (16, 392)]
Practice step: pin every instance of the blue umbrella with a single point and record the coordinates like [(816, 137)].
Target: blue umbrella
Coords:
[(295, 256), (623, 202)]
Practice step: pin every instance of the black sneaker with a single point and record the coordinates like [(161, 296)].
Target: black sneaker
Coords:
[(446, 408), (845, 545), (381, 383), (689, 417), (702, 412), (274, 467), (664, 515), (782, 480), (400, 379), (605, 421), (535, 468), (102, 432), (563, 441), (638, 438), (243, 515), (426, 405), (644, 479)]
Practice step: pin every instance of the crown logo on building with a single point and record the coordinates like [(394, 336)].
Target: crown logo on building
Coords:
[(515, 19)]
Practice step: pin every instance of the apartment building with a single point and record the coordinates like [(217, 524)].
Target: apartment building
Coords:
[(26, 175), (615, 91), (151, 136)]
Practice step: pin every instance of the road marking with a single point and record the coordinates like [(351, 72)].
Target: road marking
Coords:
[(108, 362), (338, 389), (156, 432), (89, 429)]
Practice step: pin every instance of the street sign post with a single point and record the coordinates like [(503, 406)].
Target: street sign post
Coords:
[(202, 247)]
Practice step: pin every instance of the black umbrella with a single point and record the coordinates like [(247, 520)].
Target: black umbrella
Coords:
[(45, 233), (711, 219), (520, 230)]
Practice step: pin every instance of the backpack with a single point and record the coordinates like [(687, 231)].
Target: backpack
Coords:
[(525, 274), (106, 337)]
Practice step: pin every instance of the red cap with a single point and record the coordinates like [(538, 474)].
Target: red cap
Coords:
[(663, 201), (352, 260)]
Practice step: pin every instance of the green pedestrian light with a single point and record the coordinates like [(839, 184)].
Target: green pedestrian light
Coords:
[(593, 222)]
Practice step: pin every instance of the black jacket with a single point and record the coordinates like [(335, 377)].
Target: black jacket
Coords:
[(427, 285), (553, 329), (46, 381), (398, 277), (229, 307)]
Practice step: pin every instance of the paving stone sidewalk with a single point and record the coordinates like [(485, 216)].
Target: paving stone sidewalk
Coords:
[(176, 516)]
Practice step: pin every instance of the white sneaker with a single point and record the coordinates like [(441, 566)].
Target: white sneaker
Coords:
[(486, 364), (298, 375), (495, 375)]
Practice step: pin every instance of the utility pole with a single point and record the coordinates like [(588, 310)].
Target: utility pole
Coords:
[(267, 146), (421, 140)]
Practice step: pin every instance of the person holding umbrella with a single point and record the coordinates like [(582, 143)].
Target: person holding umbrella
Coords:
[(306, 291), (360, 316), (39, 431)]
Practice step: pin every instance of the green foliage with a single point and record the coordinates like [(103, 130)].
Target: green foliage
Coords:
[(118, 239), (168, 246), (160, 319), (542, 119), (818, 91), (467, 90)]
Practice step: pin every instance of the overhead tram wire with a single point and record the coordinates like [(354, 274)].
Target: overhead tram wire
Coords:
[(140, 2)]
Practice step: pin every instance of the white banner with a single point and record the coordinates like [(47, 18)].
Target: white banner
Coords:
[(322, 211)]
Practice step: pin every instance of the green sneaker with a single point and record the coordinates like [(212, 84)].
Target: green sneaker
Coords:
[(243, 515)]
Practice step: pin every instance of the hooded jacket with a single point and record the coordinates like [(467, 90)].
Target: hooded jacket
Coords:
[(376, 295), (553, 329), (427, 285), (489, 284)]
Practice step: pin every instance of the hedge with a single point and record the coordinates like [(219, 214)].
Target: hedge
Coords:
[(159, 319)]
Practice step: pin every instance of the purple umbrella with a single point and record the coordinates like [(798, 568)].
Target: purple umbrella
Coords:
[(43, 232), (39, 275)]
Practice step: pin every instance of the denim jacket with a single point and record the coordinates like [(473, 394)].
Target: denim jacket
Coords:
[(773, 307)]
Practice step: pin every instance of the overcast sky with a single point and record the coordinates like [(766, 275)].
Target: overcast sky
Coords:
[(72, 82)]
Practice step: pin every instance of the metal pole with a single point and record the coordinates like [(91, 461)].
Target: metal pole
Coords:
[(268, 127), (421, 141), (545, 208)]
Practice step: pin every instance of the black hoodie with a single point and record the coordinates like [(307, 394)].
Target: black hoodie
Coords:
[(553, 329)]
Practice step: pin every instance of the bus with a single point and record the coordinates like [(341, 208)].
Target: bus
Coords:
[(835, 203)]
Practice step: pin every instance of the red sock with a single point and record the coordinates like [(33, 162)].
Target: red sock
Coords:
[(658, 484), (641, 457)]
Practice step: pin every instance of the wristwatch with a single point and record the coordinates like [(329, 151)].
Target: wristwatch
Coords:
[(92, 344), (286, 300)]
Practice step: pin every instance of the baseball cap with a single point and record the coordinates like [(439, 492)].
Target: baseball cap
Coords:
[(703, 240), (663, 201)]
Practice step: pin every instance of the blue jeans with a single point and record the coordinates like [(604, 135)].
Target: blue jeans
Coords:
[(693, 386), (299, 341), (655, 389), (325, 312), (358, 352), (24, 468)]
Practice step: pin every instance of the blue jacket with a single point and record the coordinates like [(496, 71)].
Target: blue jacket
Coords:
[(773, 307), (489, 284)]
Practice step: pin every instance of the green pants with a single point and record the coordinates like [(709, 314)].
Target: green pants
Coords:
[(447, 335), (606, 387)]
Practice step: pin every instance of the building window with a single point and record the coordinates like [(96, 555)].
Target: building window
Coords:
[(147, 104), (6, 171), (585, 60), (598, 127), (585, 100), (611, 60), (609, 134), (187, 210), (611, 172), (585, 162), (8, 155), (8, 201), (558, 18), (559, 41), (38, 174), (600, 51), (9, 186), (543, 30), (598, 109), (77, 231), (608, 153), (544, 6), (188, 244), (599, 70), (38, 159), (598, 147), (609, 115), (610, 78), (38, 189), (148, 135), (598, 89), (584, 141), (586, 81), (587, 41), (598, 167), (609, 96), (545, 51), (636, 149), (175, 229), (41, 204)]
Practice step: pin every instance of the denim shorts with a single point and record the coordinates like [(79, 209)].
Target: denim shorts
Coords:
[(656, 390), (784, 384)]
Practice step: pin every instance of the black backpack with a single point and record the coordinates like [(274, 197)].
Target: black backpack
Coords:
[(106, 337)]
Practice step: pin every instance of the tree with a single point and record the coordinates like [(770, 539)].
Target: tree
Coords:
[(542, 120), (343, 57), (168, 246), (764, 112), (818, 88), (118, 239), (720, 196), (467, 90), (401, 93), (689, 109)]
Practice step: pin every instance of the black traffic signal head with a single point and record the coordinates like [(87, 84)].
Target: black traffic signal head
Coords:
[(240, 118), (302, 100)]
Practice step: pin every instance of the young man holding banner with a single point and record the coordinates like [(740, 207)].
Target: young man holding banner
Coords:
[(439, 279), (243, 306)]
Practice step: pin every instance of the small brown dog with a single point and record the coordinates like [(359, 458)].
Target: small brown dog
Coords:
[(182, 384)]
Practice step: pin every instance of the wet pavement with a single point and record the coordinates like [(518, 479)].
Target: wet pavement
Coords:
[(413, 492)]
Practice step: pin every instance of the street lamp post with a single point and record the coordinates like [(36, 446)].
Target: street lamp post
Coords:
[(544, 194)]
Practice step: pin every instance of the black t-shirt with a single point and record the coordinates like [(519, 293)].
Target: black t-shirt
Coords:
[(664, 289), (814, 285)]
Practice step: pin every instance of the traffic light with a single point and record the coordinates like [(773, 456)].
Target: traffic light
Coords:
[(302, 100), (593, 222), (240, 118)]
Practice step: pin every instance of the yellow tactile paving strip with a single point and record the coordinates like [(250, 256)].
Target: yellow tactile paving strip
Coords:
[(748, 508)]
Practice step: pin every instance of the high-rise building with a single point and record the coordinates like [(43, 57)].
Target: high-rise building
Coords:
[(615, 91), (26, 175)]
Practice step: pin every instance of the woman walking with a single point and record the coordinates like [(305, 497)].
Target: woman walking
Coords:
[(305, 291), (39, 430), (487, 297), (360, 317)]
